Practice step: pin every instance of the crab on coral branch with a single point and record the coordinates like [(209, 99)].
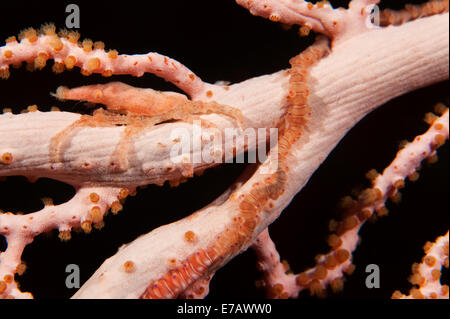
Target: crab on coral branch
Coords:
[(314, 100)]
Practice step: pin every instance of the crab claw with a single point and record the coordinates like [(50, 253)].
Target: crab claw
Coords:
[(118, 96)]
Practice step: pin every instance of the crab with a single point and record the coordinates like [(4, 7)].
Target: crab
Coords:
[(137, 109)]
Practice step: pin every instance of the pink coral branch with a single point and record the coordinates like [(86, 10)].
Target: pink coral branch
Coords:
[(277, 281), (320, 17), (330, 120), (360, 74), (87, 207), (37, 49), (332, 266), (427, 274)]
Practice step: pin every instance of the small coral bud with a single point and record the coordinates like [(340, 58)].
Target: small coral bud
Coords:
[(113, 54), (60, 92), (4, 73), (123, 193), (316, 289), (11, 40), (116, 207), (320, 273), (347, 202), (48, 29), (302, 280), (189, 236), (2, 286), (334, 241), (8, 278), (416, 294), (304, 30), (99, 45), (440, 108), (337, 284), (94, 197), (92, 64), (439, 140), (436, 274), (30, 66), (372, 174), (342, 255), (428, 245), (64, 235), (99, 225), (7, 54), (70, 62), (107, 73), (85, 72), (382, 211), (58, 67), (32, 108), (399, 184), (430, 118), (96, 214), (73, 36), (350, 222), (86, 226), (286, 265), (98, 94), (402, 144), (330, 262), (56, 43), (129, 266), (20, 269), (47, 201), (430, 261), (414, 177), (274, 17), (40, 61), (396, 198), (397, 295), (87, 45), (364, 214), (332, 225), (6, 158), (277, 289), (416, 279), (30, 34)]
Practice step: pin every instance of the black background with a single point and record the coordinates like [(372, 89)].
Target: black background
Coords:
[(219, 40)]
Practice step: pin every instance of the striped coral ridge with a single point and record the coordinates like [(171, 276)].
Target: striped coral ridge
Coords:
[(413, 12), (178, 279)]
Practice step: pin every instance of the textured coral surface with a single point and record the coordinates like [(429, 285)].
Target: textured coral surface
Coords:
[(224, 42)]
